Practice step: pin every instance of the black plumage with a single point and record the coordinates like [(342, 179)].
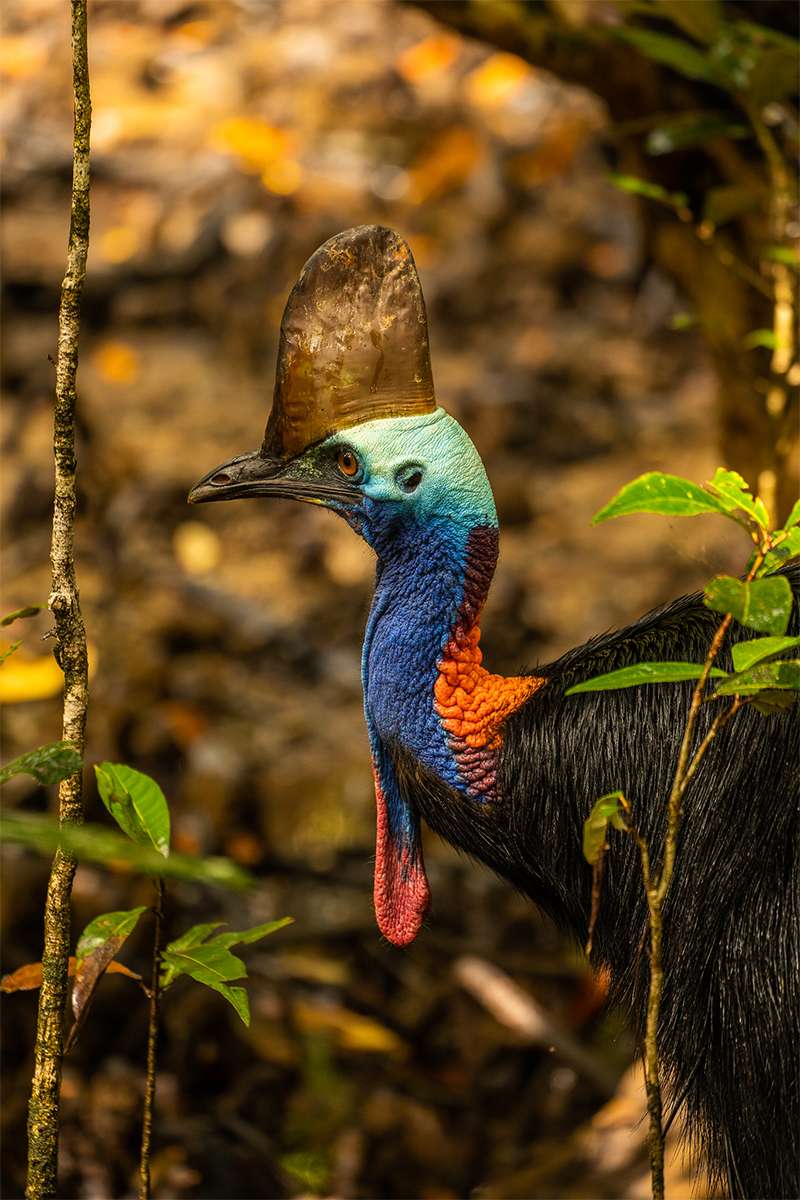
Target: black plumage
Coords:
[(730, 1028)]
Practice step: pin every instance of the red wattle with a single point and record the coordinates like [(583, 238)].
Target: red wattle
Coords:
[(402, 894)]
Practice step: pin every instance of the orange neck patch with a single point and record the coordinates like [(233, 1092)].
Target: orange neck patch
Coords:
[(472, 704)]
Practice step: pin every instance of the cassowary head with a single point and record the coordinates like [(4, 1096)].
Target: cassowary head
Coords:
[(354, 424)]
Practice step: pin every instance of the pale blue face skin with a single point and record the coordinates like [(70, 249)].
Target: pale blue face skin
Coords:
[(421, 468)]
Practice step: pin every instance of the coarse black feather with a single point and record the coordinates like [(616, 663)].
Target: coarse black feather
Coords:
[(730, 1029)]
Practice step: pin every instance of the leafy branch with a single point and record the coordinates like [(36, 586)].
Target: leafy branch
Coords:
[(762, 676)]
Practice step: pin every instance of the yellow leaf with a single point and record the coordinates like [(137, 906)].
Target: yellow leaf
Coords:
[(282, 177), (116, 362), (495, 81), (21, 56), (256, 143), (23, 677), (352, 1030), (445, 163), (428, 57), (196, 547), (119, 243)]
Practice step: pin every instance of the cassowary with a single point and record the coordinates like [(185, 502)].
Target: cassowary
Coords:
[(507, 769)]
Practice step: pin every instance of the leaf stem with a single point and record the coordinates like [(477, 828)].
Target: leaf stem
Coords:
[(43, 1107), (152, 1046)]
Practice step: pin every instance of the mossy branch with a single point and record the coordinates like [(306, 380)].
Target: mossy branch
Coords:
[(70, 652)]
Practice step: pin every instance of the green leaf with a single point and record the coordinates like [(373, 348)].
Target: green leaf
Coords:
[(105, 927), (692, 129), (768, 703), (794, 516), (245, 937), (607, 810), (764, 604), (19, 614), (9, 650), (669, 495), (787, 548), (95, 843), (782, 254), (198, 934), (701, 19), (48, 764), (213, 966), (783, 675), (733, 492), (311, 1167), (673, 52), (651, 191), (747, 654), (136, 803), (646, 672), (760, 339)]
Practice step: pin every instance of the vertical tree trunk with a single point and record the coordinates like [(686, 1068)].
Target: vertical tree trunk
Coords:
[(43, 1110)]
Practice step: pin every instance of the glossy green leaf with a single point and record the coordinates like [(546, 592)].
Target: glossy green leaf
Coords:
[(136, 803), (747, 654), (105, 927), (794, 516), (733, 492), (48, 764), (782, 675), (669, 495), (245, 937), (20, 614), (607, 810), (681, 56), (646, 672), (95, 843), (764, 604), (213, 966), (198, 939), (787, 548)]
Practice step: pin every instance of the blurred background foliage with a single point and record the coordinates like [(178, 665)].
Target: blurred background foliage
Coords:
[(583, 332)]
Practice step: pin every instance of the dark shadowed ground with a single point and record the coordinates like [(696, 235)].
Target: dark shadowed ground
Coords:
[(230, 139)]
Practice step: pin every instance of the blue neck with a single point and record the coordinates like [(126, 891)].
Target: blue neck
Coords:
[(419, 591)]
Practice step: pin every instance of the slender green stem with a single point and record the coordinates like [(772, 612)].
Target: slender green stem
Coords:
[(152, 1048), (43, 1108)]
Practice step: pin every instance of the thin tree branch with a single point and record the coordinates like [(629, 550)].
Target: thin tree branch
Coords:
[(152, 1048), (43, 1109)]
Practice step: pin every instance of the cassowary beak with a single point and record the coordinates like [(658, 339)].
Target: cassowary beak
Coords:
[(257, 475)]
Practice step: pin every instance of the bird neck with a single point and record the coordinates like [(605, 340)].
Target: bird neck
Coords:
[(425, 685)]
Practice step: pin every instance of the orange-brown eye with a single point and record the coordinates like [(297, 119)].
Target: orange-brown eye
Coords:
[(347, 463)]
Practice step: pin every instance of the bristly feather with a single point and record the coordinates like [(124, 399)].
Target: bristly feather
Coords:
[(731, 1005)]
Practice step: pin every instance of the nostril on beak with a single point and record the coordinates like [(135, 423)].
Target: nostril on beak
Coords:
[(220, 478)]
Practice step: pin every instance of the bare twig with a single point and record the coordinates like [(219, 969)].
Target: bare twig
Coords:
[(70, 652), (152, 1048)]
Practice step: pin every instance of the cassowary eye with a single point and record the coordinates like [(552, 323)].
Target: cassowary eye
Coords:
[(409, 478), (347, 462)]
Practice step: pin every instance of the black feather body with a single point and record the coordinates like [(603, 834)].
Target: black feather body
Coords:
[(730, 1029)]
